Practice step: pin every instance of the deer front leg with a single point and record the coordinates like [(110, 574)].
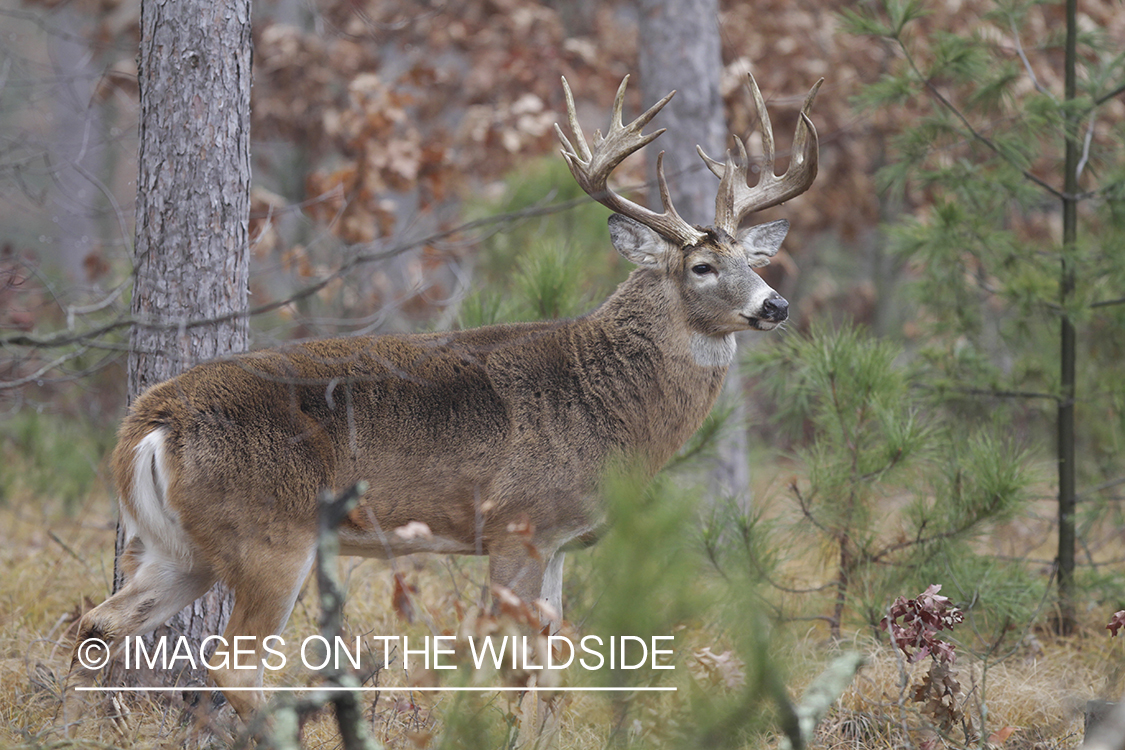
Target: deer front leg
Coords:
[(551, 591), (530, 574)]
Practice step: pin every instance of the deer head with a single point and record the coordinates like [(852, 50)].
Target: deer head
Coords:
[(710, 266)]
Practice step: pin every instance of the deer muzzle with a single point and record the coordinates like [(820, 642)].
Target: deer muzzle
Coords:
[(775, 309)]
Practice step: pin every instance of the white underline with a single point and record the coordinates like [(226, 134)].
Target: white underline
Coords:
[(334, 689)]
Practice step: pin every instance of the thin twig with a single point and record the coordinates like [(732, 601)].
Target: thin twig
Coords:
[(1085, 149), (1027, 63), (1106, 97), (1004, 394), (1099, 488), (364, 256), (1108, 303), (38, 374)]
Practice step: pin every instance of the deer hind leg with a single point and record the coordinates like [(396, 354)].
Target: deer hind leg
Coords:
[(159, 586), (264, 596)]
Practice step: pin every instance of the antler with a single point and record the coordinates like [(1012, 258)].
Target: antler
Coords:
[(591, 169), (736, 199)]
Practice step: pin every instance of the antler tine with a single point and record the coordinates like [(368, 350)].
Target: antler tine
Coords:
[(718, 168), (644, 119), (767, 126), (575, 128), (662, 183), (591, 167), (736, 199)]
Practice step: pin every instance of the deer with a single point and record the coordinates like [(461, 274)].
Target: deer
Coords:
[(488, 436)]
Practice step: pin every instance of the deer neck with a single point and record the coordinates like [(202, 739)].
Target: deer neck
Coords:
[(671, 377), (648, 301), (712, 351)]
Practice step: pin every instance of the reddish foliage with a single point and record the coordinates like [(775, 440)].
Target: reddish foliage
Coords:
[(1116, 622), (404, 598), (373, 119), (921, 618), (914, 625)]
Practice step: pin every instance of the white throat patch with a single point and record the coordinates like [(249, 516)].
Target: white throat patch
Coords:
[(712, 351)]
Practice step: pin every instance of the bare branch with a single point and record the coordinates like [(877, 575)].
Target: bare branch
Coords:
[(38, 374), (366, 255), (1027, 63), (1085, 149), (1109, 95), (95, 337), (1100, 488)]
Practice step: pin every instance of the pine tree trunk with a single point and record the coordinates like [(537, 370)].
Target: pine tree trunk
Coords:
[(1068, 355), (192, 214), (680, 49)]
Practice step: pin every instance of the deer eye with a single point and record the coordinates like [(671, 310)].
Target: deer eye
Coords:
[(702, 269)]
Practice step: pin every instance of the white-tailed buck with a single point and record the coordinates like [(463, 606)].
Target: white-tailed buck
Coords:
[(469, 432)]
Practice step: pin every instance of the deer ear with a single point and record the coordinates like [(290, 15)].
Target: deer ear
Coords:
[(636, 242), (762, 242)]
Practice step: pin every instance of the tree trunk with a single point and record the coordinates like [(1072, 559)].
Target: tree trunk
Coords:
[(77, 148), (192, 214), (1068, 341), (680, 49)]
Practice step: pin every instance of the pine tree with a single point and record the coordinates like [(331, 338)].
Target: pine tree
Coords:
[(1017, 174)]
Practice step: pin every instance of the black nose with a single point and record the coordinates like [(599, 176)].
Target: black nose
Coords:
[(775, 308)]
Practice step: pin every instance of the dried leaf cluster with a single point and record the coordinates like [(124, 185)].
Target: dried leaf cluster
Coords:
[(914, 625), (403, 106)]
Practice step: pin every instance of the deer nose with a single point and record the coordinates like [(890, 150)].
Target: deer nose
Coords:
[(775, 308)]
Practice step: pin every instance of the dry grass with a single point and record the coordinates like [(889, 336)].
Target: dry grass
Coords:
[(54, 562), (1039, 697)]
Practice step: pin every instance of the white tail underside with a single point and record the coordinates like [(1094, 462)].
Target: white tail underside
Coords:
[(150, 518)]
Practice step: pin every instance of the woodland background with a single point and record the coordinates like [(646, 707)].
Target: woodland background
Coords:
[(405, 176)]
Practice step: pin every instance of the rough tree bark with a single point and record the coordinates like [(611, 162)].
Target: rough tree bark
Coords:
[(680, 48), (192, 212)]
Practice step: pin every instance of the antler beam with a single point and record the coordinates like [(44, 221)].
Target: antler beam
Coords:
[(591, 167)]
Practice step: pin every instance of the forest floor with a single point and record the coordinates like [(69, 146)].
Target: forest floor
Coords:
[(57, 563)]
